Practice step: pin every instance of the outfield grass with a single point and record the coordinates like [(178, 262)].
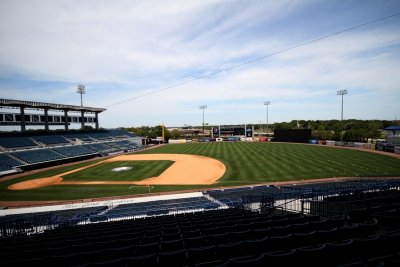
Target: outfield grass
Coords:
[(246, 163), (271, 162), (141, 169)]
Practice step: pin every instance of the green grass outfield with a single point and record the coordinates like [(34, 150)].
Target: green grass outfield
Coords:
[(246, 163)]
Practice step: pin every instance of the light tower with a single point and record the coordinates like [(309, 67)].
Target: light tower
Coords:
[(342, 93), (267, 104), (203, 107), (81, 90)]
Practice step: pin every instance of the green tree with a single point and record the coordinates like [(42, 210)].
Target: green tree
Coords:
[(175, 134)]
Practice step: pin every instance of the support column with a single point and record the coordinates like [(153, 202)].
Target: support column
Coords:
[(22, 113), (97, 120), (66, 119), (46, 119), (83, 119)]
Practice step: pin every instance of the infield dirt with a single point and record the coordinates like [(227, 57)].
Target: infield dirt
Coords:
[(186, 170)]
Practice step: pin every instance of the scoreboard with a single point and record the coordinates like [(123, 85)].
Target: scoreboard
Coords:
[(232, 130)]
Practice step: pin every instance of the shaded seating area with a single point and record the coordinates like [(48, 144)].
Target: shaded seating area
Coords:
[(11, 142), (160, 207), (123, 145), (202, 231), (30, 223), (32, 150), (233, 197), (100, 148), (236, 197), (38, 155), (100, 135), (51, 139), (224, 237), (73, 151), (80, 136), (120, 134), (8, 163)]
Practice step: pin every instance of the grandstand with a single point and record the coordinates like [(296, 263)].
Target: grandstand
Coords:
[(23, 151), (199, 229), (15, 142)]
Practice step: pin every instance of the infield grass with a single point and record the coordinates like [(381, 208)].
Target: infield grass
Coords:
[(246, 163), (141, 169)]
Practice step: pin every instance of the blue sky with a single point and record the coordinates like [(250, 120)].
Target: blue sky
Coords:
[(123, 50)]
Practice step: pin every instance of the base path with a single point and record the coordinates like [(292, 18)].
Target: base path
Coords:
[(186, 170)]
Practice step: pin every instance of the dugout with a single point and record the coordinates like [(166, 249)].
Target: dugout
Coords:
[(292, 135)]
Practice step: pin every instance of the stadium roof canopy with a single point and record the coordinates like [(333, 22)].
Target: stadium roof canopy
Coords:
[(24, 119), (41, 105)]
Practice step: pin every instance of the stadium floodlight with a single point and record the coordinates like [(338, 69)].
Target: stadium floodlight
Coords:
[(267, 104), (342, 93), (81, 90), (203, 107)]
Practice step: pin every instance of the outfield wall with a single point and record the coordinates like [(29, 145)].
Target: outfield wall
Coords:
[(177, 141)]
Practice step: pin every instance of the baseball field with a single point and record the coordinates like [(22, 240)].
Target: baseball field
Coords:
[(177, 167)]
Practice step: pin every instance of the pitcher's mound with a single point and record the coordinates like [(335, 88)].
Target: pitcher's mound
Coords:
[(121, 169)]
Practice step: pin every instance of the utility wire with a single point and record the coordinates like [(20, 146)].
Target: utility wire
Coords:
[(256, 59)]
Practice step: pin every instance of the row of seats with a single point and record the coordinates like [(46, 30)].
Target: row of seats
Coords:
[(235, 196), (257, 239), (62, 138), (38, 155), (73, 151), (216, 227), (160, 207), (7, 162), (224, 237), (51, 139), (56, 153), (16, 141), (178, 253), (21, 224), (10, 160)]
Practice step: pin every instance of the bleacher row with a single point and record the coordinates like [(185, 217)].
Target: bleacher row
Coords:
[(25, 141), (24, 150), (160, 207), (39, 221), (216, 236), (235, 196), (22, 224), (228, 237), (352, 198)]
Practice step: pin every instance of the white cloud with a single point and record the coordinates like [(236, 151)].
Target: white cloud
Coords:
[(127, 49)]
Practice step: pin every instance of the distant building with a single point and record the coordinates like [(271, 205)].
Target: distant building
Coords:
[(392, 135)]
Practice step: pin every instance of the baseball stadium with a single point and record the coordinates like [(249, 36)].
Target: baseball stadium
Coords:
[(208, 133), (102, 198)]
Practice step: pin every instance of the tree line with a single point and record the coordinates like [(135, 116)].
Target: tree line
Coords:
[(351, 130)]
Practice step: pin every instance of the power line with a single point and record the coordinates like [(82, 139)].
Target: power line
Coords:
[(256, 59)]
